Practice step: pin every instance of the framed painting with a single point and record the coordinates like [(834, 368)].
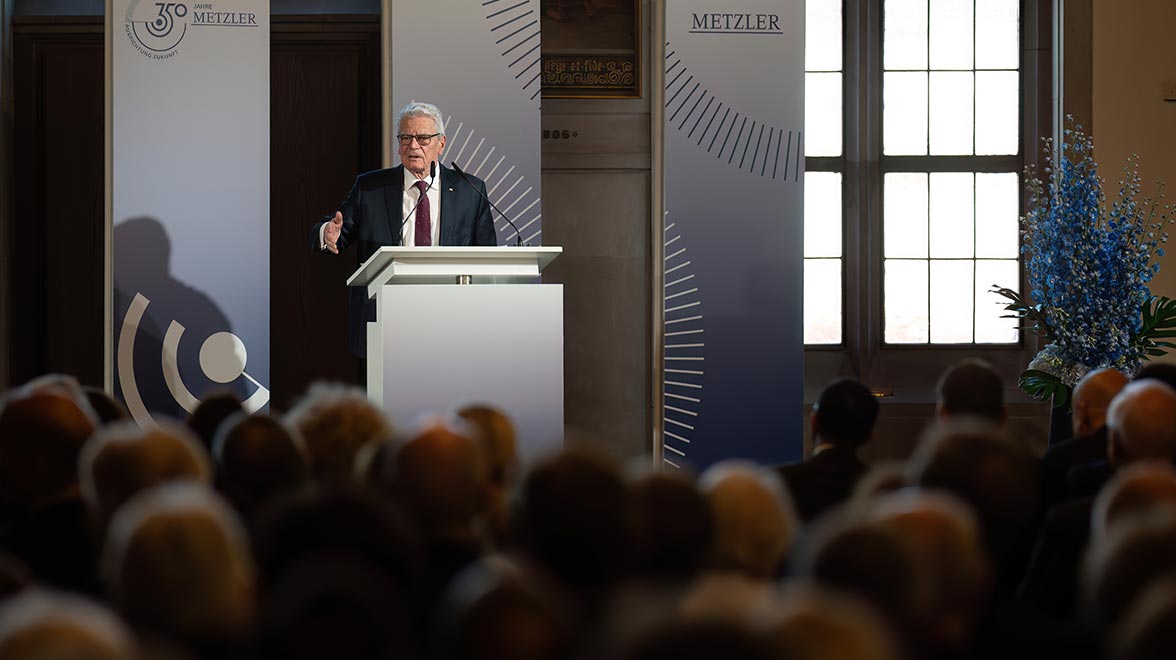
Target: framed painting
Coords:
[(591, 48)]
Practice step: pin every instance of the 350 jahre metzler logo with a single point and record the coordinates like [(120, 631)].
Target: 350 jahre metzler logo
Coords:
[(156, 29)]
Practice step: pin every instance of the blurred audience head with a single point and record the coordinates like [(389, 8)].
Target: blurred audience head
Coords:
[(41, 434), (337, 421), (440, 476), (258, 458), (496, 435), (44, 625), (1134, 489), (685, 639), (812, 623), (1161, 371), (214, 409), (489, 612), (1148, 628), (872, 562), (672, 524), (1092, 397), (945, 540), (971, 387), (984, 466), (755, 520), (1136, 552), (122, 459), (338, 607), (106, 407), (340, 521), (1141, 423), (844, 414), (177, 562), (573, 516)]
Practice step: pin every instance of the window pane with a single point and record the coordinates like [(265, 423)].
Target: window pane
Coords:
[(822, 214), (997, 215), (951, 34), (951, 113), (990, 328), (952, 225), (822, 40), (822, 301), (822, 114), (951, 302), (904, 214), (997, 111), (904, 39), (904, 114), (905, 284), (998, 33)]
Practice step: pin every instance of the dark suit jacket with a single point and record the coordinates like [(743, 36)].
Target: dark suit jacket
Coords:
[(372, 219), (1058, 460), (1051, 582), (822, 481)]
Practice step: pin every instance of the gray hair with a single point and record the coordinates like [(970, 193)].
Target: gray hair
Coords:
[(417, 109)]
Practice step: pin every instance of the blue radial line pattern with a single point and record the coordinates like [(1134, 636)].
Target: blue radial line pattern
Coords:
[(682, 357), (514, 27), (509, 191), (732, 137)]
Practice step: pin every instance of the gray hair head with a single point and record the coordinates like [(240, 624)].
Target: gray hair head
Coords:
[(418, 109)]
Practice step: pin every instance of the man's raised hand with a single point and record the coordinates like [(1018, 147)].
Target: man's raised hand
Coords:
[(332, 231)]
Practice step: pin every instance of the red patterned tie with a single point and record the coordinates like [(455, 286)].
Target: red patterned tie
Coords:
[(424, 232)]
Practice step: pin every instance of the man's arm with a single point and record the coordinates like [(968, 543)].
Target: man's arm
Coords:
[(335, 233)]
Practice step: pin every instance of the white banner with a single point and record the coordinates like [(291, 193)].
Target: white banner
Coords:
[(189, 157)]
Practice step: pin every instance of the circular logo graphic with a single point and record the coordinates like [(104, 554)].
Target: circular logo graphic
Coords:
[(156, 29)]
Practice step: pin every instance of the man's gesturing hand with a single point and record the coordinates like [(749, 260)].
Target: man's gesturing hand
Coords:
[(331, 234)]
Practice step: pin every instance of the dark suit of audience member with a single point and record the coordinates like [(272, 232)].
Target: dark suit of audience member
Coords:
[(1060, 459), (1141, 425), (1092, 396), (842, 420), (1086, 480)]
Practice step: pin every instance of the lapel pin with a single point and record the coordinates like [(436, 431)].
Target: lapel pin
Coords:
[(451, 190)]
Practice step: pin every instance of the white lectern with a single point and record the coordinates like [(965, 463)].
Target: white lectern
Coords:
[(458, 325)]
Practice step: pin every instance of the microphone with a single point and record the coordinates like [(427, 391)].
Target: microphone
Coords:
[(432, 178), (460, 173)]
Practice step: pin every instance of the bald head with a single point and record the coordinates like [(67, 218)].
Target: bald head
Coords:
[(1092, 397), (1141, 423)]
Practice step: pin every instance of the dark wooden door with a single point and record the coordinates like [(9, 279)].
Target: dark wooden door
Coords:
[(324, 130)]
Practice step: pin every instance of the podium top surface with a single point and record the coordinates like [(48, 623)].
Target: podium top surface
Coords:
[(428, 264)]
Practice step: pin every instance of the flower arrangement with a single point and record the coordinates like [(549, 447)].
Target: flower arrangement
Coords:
[(1088, 267)]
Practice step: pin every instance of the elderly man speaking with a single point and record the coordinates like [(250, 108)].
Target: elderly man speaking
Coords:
[(417, 203)]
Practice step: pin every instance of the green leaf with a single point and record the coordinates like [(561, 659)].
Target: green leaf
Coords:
[(1159, 322), (1036, 321)]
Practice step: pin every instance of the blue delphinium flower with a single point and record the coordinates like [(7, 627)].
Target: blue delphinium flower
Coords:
[(1088, 265)]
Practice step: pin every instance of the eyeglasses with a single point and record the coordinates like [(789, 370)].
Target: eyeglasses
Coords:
[(423, 140)]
